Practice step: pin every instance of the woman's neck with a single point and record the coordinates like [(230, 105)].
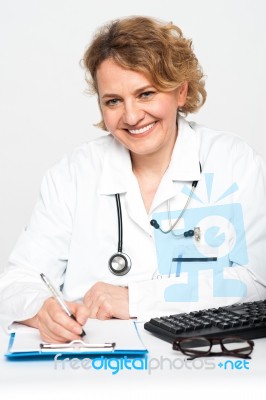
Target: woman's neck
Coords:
[(155, 163), (149, 170)]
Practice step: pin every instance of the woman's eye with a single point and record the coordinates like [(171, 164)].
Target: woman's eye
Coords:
[(112, 102), (146, 95)]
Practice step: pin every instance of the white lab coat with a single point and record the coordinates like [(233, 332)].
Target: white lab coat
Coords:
[(73, 230)]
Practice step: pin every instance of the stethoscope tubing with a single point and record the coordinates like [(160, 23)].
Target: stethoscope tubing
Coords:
[(116, 259), (120, 223)]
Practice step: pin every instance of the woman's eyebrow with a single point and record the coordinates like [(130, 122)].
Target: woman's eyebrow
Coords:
[(137, 91)]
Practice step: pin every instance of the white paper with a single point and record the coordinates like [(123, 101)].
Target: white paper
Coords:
[(121, 332)]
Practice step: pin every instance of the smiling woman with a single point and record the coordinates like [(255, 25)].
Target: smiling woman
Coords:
[(143, 71), (153, 166)]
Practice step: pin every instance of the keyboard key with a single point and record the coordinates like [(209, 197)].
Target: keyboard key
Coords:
[(167, 326), (196, 313), (196, 326), (156, 321), (224, 325), (185, 327), (206, 324), (235, 323), (243, 321), (255, 320)]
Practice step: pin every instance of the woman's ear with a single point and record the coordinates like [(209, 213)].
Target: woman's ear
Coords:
[(182, 94)]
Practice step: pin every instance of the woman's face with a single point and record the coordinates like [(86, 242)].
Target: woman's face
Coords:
[(138, 115)]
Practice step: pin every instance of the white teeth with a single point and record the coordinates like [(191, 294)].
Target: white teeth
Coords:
[(141, 130)]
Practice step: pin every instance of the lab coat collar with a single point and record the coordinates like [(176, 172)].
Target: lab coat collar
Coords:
[(117, 177), (184, 164)]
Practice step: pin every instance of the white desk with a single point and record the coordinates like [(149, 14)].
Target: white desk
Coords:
[(40, 379)]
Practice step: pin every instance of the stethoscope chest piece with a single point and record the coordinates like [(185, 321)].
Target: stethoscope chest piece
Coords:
[(119, 264)]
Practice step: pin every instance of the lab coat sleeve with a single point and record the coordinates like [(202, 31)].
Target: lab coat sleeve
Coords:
[(41, 248), (146, 298), (250, 172)]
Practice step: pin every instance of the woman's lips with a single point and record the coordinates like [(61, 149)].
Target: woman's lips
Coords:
[(142, 130)]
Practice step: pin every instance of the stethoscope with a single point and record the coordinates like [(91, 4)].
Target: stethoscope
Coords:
[(120, 263)]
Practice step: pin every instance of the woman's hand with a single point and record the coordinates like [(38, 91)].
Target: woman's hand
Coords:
[(105, 301), (55, 325)]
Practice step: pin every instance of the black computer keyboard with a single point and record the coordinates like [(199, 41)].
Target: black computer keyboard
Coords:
[(247, 320)]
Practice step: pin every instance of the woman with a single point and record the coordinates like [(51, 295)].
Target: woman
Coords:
[(142, 176)]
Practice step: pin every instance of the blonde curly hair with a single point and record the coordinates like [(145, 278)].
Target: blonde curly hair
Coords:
[(152, 47)]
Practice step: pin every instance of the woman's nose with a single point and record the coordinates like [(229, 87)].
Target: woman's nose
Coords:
[(132, 114)]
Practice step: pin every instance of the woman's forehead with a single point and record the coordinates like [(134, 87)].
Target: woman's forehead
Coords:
[(112, 74)]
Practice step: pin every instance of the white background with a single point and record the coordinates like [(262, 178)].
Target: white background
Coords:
[(45, 113)]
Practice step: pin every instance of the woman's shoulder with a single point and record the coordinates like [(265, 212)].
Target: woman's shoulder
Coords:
[(227, 150), (224, 142), (212, 134), (83, 157), (92, 148)]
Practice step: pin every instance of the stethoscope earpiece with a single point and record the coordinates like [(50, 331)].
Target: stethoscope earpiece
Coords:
[(155, 224)]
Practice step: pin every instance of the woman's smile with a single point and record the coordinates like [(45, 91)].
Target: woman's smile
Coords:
[(140, 132)]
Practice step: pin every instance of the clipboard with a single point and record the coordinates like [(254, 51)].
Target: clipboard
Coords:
[(108, 338), (77, 346)]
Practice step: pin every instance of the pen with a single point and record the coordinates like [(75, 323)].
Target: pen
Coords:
[(59, 299)]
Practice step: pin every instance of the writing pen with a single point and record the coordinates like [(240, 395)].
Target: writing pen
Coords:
[(59, 299)]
